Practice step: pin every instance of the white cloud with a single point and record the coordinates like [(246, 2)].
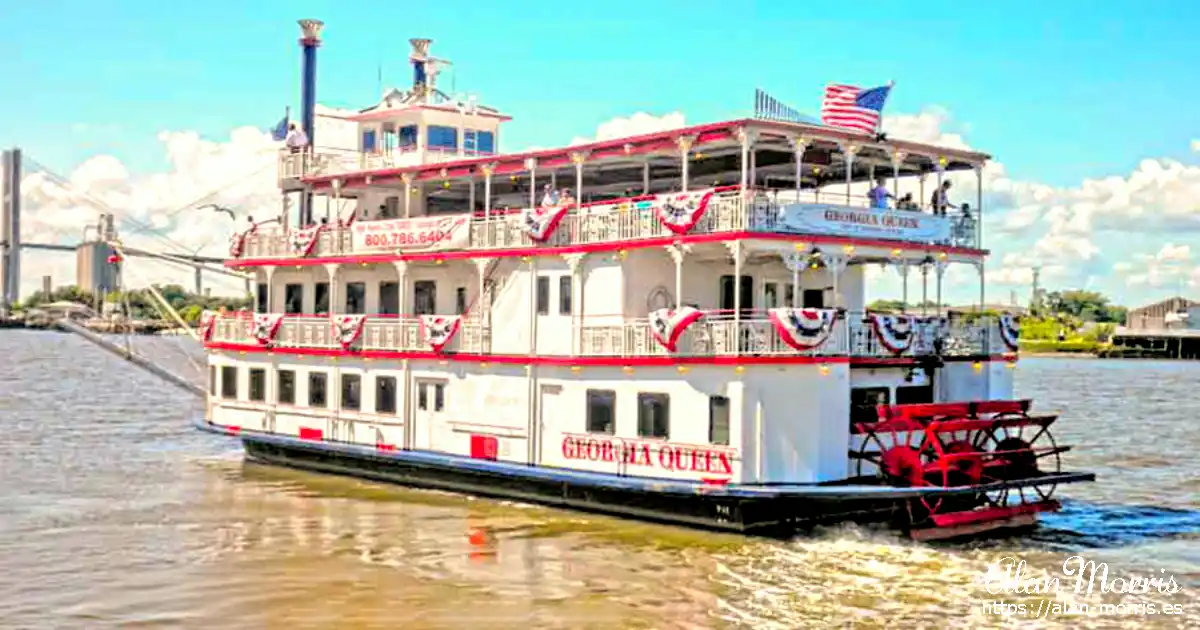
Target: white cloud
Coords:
[(635, 125)]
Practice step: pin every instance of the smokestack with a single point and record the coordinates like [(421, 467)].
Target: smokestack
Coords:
[(420, 60), (309, 41)]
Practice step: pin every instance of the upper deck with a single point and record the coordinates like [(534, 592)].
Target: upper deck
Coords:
[(768, 179)]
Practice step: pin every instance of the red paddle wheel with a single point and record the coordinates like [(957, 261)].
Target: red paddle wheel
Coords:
[(1002, 461)]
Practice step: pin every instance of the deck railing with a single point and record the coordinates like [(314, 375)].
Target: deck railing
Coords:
[(716, 334), (729, 211)]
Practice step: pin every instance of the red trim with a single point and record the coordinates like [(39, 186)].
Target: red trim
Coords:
[(308, 433), (590, 248), (515, 359), (645, 143), (958, 519)]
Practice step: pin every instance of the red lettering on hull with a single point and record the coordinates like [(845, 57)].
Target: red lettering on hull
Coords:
[(669, 457)]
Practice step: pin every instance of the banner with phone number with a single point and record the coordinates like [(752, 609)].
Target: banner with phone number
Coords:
[(411, 235)]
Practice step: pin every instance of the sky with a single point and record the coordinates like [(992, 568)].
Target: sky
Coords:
[(1086, 107)]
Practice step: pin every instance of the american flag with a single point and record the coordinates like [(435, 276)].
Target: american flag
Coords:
[(854, 108)]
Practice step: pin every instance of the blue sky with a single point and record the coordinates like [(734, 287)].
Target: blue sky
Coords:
[(1057, 91)]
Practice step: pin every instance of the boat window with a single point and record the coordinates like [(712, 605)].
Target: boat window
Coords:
[(258, 384), (229, 382), (423, 396), (564, 295), (391, 208), (385, 394), (356, 298), (746, 298), (287, 388), (368, 140), (863, 401), (770, 295), (212, 380), (443, 137), (293, 298), (460, 301), (654, 411), (439, 397), (914, 394), (543, 295), (321, 298), (407, 136), (389, 298), (479, 141), (718, 420), (789, 294), (813, 298), (351, 392), (260, 298), (424, 297), (601, 411), (316, 389)]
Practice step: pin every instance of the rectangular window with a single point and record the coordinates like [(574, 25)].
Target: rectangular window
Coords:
[(601, 411), (258, 385), (423, 396), (356, 298), (385, 394), (425, 297), (564, 295), (770, 295), (293, 299), (321, 298), (351, 392), (316, 389), (408, 137), (212, 380), (368, 140), (654, 416), (813, 298), (260, 298), (229, 383), (389, 298), (718, 420), (460, 301), (914, 394), (485, 142), (543, 295), (863, 402), (439, 397), (789, 294), (443, 137), (391, 208), (287, 388)]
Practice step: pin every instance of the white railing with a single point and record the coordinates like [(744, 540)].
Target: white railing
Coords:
[(380, 333), (728, 211), (337, 162), (708, 337)]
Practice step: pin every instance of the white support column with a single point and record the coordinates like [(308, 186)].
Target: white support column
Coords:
[(578, 158), (836, 264), (471, 196), (904, 284), (736, 250), (531, 166), (849, 150), (743, 136), (487, 170), (533, 314), (897, 161), (575, 264), (270, 273), (407, 179), (685, 147), (940, 270), (332, 269), (941, 170), (799, 146), (921, 190), (979, 206), (554, 180), (794, 263), (401, 287), (677, 252), (646, 177), (924, 288), (482, 307), (982, 286)]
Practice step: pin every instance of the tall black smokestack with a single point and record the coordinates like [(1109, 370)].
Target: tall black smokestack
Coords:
[(310, 39)]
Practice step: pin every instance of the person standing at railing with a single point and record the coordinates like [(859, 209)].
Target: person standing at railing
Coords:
[(549, 196), (296, 140), (940, 200), (879, 195)]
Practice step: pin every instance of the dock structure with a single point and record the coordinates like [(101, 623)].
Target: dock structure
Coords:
[(1169, 329)]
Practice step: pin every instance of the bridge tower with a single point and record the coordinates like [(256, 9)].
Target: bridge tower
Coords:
[(10, 229)]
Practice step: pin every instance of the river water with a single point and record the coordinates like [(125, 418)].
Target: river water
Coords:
[(115, 513)]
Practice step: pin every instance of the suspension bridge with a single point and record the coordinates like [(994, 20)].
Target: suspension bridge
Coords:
[(93, 272)]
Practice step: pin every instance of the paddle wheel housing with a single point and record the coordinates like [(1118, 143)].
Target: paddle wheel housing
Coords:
[(1002, 462)]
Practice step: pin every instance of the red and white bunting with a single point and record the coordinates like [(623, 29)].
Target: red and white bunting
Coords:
[(237, 241), (348, 328), (539, 223), (680, 212), (1010, 331), (208, 320), (894, 332), (304, 240), (437, 331), (803, 328), (264, 327), (666, 325)]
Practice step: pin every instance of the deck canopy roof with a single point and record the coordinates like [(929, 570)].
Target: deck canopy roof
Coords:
[(616, 166)]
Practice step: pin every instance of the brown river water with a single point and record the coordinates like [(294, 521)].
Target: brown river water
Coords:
[(115, 513)]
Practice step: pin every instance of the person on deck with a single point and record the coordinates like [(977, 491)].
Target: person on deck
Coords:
[(940, 200), (296, 139), (549, 196), (879, 195), (907, 203)]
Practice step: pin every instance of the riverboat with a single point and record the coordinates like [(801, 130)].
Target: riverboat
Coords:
[(669, 326)]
